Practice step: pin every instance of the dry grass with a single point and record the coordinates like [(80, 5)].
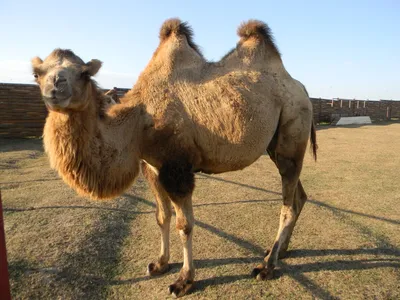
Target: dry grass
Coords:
[(346, 244)]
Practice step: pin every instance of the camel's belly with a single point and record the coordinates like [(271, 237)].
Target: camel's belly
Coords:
[(225, 157)]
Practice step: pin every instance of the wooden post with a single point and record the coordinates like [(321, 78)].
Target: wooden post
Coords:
[(4, 280)]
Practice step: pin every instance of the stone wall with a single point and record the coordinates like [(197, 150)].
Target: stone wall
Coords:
[(22, 112)]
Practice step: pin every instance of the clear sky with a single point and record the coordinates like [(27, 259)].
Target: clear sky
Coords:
[(348, 49)]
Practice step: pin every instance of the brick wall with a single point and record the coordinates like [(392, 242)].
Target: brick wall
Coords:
[(22, 112)]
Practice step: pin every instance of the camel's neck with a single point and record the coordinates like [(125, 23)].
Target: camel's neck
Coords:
[(98, 157)]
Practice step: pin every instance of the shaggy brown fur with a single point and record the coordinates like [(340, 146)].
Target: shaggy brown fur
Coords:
[(177, 177), (79, 148), (175, 26), (83, 156), (258, 30), (183, 115)]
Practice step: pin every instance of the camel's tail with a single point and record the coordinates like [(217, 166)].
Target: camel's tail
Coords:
[(179, 28), (313, 140), (258, 30)]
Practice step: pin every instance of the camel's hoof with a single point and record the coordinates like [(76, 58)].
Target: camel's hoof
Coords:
[(154, 269), (257, 270), (266, 274), (180, 288), (262, 273), (281, 255)]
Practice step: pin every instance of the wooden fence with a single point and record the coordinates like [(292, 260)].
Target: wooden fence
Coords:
[(329, 110), (23, 113)]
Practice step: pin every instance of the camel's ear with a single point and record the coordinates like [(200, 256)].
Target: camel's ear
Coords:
[(36, 63), (93, 66)]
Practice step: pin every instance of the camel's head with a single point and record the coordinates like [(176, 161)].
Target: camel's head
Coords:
[(110, 101), (64, 79)]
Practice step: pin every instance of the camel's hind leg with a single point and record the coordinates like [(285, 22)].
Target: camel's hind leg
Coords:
[(300, 199), (163, 216), (288, 156)]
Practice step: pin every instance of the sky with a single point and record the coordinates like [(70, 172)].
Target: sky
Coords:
[(344, 49)]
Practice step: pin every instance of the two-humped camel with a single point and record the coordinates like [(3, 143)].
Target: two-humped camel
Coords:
[(184, 115)]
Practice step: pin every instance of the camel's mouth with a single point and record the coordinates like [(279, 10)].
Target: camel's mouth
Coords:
[(56, 98), (54, 103)]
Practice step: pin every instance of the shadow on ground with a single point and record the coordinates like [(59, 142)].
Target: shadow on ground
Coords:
[(297, 272), (10, 144)]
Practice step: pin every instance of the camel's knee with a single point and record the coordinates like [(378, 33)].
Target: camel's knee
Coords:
[(164, 218), (300, 198), (301, 192), (288, 215), (183, 226)]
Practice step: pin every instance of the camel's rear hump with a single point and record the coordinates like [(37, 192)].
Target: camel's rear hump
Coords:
[(256, 37), (255, 29)]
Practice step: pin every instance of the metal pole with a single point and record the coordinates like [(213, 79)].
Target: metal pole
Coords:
[(4, 280)]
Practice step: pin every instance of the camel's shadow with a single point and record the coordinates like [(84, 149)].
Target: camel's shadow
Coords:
[(296, 271)]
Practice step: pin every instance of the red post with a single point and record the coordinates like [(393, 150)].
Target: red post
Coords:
[(4, 280)]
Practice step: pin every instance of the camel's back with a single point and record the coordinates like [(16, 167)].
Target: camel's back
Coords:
[(225, 119), (231, 105), (223, 114)]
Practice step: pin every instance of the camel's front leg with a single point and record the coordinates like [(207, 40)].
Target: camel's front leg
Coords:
[(163, 216), (184, 225)]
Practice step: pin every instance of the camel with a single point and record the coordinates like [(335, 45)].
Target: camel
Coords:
[(113, 96), (107, 101), (184, 115)]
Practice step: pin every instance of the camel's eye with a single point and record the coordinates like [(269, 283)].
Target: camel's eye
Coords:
[(37, 72)]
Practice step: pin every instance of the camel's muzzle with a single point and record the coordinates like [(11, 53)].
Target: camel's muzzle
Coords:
[(57, 94), (55, 103)]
